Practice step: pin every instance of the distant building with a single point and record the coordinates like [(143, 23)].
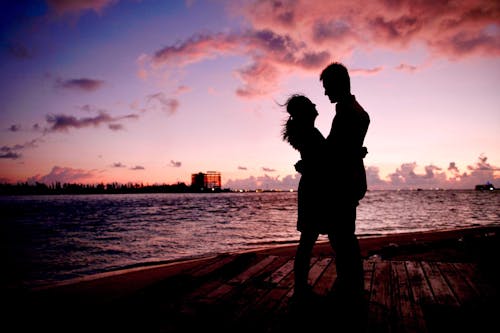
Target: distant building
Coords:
[(203, 182)]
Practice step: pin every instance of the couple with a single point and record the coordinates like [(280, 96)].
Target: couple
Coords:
[(332, 182)]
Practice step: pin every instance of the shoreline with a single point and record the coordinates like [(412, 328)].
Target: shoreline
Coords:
[(370, 244), (444, 245), (210, 292)]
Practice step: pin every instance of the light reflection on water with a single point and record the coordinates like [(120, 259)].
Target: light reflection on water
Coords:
[(52, 238)]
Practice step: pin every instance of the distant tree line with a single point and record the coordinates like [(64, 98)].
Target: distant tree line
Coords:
[(111, 188)]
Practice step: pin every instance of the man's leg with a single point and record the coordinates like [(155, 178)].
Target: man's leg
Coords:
[(346, 246), (348, 288)]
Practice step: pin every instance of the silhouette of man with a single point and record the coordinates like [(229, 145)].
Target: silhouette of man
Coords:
[(344, 147)]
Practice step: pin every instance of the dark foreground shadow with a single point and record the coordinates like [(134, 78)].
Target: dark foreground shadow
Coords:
[(333, 312)]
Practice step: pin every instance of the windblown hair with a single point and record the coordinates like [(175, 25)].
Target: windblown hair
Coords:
[(293, 130)]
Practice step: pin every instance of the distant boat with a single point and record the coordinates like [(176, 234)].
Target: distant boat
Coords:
[(485, 187)]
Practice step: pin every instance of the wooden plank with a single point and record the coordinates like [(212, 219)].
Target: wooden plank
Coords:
[(278, 276), (213, 266), (470, 272), (223, 289), (379, 307), (226, 288), (368, 268), (252, 270), (264, 306), (324, 284), (440, 288), (221, 306), (243, 298), (213, 277), (462, 291), (317, 270), (282, 287), (284, 305), (407, 317), (405, 296), (421, 291), (253, 289)]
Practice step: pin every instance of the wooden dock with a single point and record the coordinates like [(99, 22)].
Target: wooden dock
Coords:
[(252, 292)]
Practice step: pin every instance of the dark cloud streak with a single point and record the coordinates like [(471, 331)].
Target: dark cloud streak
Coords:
[(82, 84), (62, 123), (13, 152), (175, 164)]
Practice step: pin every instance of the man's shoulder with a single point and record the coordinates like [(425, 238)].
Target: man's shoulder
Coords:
[(360, 110)]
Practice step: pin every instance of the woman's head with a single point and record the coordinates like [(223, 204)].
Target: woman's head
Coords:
[(302, 115), (300, 108)]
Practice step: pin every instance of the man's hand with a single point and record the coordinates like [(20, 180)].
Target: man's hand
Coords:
[(299, 166)]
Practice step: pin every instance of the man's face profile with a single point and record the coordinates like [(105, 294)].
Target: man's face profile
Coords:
[(331, 90)]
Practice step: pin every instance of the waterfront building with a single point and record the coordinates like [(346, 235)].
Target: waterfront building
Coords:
[(203, 182)]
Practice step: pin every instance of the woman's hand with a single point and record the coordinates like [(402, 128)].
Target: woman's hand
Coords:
[(363, 152), (299, 166)]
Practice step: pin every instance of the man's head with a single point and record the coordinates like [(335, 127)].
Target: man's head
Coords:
[(336, 82)]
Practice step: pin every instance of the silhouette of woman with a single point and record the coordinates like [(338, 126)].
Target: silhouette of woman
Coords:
[(299, 131)]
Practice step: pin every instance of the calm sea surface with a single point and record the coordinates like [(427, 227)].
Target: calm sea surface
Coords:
[(48, 239)]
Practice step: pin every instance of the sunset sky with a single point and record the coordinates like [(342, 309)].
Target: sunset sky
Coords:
[(152, 91)]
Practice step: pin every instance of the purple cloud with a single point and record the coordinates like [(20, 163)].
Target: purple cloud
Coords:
[(82, 84), (15, 128), (9, 155), (75, 7), (62, 123), (175, 164), (13, 152)]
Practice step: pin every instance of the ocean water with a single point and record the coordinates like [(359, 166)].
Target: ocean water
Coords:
[(48, 239)]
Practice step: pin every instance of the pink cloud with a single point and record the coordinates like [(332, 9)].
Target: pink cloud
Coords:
[(182, 89), (406, 68), (435, 177), (285, 37), (404, 177), (194, 49), (448, 28), (263, 182), (167, 105), (271, 54), (259, 79), (366, 71), (482, 165), (64, 175)]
